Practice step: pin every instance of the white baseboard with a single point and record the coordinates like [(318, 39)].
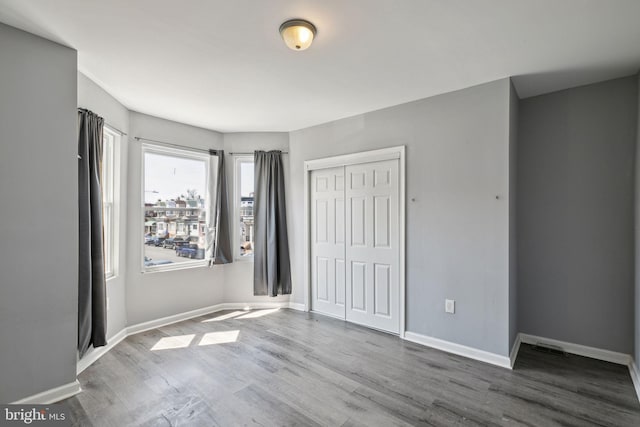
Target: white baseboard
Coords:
[(164, 321), (255, 305), (514, 351), (297, 306), (580, 350), (635, 376), (52, 395), (96, 353), (459, 349)]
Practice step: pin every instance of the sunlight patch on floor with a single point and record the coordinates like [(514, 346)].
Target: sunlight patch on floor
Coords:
[(178, 341), (258, 313), (220, 337)]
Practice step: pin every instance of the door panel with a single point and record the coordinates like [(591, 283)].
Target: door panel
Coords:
[(381, 221), (382, 289), (340, 282), (327, 242), (358, 221), (358, 286), (372, 248), (322, 265)]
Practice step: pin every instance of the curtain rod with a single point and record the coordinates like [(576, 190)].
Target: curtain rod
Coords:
[(184, 147), (138, 138), (116, 129), (251, 154)]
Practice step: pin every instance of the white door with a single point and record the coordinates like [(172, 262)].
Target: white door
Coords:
[(327, 242), (372, 245)]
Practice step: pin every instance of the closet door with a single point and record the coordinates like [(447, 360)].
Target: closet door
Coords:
[(372, 245), (327, 242)]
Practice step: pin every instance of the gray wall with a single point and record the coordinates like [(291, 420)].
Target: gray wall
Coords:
[(575, 214), (39, 227), (94, 98), (151, 296), (239, 275), (513, 240), (457, 231)]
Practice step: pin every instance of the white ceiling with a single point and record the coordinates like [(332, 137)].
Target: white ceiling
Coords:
[(220, 64)]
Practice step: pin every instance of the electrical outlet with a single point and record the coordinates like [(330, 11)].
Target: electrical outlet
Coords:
[(450, 306)]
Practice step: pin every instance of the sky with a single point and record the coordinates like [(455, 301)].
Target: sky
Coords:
[(167, 177), (246, 179)]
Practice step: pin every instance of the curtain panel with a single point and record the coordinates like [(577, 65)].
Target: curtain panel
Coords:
[(92, 320), (271, 265), (221, 251)]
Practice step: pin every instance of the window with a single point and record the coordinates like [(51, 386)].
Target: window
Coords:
[(175, 186), (109, 211), (244, 207)]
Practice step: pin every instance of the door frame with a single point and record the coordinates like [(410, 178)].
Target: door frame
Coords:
[(390, 153)]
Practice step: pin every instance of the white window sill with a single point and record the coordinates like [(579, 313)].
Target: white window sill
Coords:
[(175, 267)]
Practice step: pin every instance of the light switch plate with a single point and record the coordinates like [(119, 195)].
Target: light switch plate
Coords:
[(450, 306)]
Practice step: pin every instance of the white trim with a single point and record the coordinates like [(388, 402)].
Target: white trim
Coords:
[(459, 349), (96, 353), (175, 266), (297, 306), (255, 305), (403, 240), (390, 153), (635, 376), (52, 395), (355, 158), (115, 178), (164, 321), (185, 153), (307, 241), (580, 350), (514, 350)]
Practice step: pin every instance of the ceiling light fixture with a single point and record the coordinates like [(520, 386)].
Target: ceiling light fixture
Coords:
[(297, 33)]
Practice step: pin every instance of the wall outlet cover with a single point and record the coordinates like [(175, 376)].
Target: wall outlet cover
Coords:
[(450, 306)]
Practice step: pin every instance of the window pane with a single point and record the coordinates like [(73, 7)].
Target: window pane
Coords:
[(175, 209), (108, 239), (245, 208), (108, 178)]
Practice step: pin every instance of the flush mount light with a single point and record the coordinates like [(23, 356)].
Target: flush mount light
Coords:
[(297, 33)]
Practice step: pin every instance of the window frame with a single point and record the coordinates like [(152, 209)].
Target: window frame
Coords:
[(237, 200), (110, 187), (185, 153)]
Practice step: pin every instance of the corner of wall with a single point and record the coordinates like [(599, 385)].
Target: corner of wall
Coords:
[(513, 194), (637, 233)]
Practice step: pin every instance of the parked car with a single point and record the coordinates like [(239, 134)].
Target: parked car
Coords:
[(187, 251), (148, 262), (154, 241), (175, 242)]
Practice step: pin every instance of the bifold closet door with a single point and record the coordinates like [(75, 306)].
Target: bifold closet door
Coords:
[(327, 242), (372, 245)]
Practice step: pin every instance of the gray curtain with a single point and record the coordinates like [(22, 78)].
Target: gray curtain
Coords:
[(222, 253), (92, 318), (271, 269)]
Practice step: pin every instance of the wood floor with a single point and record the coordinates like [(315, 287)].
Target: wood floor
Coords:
[(282, 367)]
